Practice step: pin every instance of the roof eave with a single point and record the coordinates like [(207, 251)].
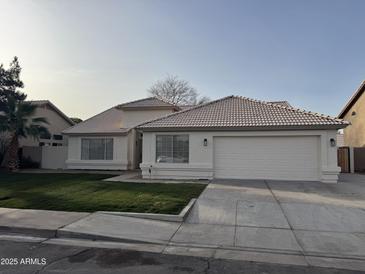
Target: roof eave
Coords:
[(352, 100), (166, 104), (256, 128), (96, 133)]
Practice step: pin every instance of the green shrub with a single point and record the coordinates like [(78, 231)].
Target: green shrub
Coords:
[(27, 162)]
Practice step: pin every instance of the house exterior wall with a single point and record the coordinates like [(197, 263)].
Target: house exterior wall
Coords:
[(56, 125), (120, 155), (354, 134), (201, 157)]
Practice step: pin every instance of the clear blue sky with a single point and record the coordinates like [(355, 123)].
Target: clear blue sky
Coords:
[(86, 56)]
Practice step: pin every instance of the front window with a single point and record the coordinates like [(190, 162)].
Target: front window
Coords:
[(97, 149), (172, 148)]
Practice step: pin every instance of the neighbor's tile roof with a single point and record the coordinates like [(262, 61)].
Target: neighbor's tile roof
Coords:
[(56, 109), (147, 102), (241, 112)]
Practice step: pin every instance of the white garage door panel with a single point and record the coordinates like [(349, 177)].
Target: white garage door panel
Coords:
[(290, 158)]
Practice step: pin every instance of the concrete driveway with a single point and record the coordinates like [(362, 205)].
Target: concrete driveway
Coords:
[(304, 218)]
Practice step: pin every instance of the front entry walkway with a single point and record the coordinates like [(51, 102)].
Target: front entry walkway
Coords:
[(307, 218)]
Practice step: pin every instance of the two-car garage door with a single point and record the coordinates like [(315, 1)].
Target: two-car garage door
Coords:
[(288, 158)]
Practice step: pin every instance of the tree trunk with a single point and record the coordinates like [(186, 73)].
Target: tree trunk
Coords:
[(11, 155)]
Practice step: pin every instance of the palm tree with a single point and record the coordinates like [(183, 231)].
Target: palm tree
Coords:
[(16, 120)]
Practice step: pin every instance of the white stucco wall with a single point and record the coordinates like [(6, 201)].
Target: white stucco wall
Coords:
[(120, 155), (201, 165)]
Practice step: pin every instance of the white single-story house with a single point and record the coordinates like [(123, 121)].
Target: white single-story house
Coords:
[(109, 141), (241, 138)]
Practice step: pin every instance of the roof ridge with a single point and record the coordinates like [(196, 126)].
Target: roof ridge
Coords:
[(185, 110), (144, 99), (316, 114)]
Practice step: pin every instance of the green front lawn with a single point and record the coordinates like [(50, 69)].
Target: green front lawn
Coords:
[(87, 193)]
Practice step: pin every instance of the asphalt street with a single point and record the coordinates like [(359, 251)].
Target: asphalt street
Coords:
[(25, 257)]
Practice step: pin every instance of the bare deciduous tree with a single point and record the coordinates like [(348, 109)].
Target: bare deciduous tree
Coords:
[(176, 91)]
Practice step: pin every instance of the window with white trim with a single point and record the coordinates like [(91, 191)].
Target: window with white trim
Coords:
[(97, 149), (172, 148)]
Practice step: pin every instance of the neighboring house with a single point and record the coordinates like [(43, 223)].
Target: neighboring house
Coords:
[(57, 122), (108, 140), (354, 112), (240, 138)]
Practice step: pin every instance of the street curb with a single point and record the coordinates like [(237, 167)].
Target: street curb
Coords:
[(216, 252), (153, 216), (37, 232)]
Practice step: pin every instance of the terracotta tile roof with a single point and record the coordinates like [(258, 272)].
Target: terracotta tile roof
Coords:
[(146, 103), (240, 112)]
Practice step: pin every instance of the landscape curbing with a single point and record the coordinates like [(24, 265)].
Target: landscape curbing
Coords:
[(140, 180), (154, 216)]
